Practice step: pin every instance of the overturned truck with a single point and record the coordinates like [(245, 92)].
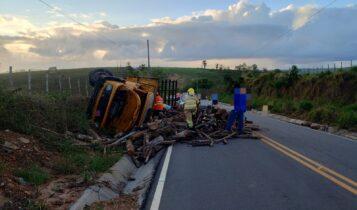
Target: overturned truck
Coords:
[(120, 104)]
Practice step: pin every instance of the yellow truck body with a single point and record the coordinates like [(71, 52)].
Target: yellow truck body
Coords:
[(122, 104)]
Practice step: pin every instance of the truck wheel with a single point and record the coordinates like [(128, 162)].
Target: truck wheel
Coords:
[(96, 75)]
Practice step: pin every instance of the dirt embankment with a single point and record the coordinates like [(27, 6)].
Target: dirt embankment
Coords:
[(28, 175)]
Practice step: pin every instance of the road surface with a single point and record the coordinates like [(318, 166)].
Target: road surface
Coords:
[(252, 174)]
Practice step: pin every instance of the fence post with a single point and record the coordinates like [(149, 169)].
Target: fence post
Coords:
[(11, 81), (29, 81), (79, 86), (69, 84), (47, 88), (60, 83), (87, 94)]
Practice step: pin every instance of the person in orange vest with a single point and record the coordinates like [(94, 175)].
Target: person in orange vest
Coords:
[(158, 105)]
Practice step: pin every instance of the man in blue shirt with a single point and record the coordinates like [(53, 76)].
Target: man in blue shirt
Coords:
[(240, 106)]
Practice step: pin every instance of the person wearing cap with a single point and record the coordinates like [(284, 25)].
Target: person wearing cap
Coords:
[(190, 106), (158, 105)]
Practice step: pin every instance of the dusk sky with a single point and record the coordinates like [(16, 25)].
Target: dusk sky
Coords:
[(271, 33)]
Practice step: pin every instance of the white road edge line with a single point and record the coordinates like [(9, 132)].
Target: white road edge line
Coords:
[(155, 204)]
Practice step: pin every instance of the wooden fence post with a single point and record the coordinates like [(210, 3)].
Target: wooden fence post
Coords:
[(79, 86), (69, 84), (47, 88), (60, 83), (29, 86), (87, 93), (11, 81)]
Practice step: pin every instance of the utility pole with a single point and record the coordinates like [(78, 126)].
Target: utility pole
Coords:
[(148, 47)]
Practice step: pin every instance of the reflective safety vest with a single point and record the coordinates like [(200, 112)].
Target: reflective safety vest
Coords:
[(190, 102), (158, 103)]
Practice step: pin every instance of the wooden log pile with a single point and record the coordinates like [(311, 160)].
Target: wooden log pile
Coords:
[(170, 128)]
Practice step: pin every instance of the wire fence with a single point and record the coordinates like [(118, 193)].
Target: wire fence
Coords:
[(328, 67), (46, 82)]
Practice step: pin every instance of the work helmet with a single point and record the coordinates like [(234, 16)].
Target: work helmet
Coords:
[(191, 91)]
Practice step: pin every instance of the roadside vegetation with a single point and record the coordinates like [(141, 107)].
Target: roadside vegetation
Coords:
[(35, 149), (326, 97)]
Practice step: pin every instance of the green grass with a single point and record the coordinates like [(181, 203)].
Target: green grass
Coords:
[(58, 112), (77, 160), (33, 174), (325, 113)]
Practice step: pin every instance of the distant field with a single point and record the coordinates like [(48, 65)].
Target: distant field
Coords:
[(185, 76)]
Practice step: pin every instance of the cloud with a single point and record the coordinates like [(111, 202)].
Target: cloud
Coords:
[(244, 30)]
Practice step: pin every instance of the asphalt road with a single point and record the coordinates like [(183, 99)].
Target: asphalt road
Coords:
[(248, 174)]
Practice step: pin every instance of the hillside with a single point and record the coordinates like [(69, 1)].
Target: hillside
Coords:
[(324, 97)]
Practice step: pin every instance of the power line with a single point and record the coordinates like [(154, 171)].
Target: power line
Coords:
[(74, 20), (267, 43)]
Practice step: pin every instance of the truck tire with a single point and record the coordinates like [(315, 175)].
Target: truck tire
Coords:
[(96, 75)]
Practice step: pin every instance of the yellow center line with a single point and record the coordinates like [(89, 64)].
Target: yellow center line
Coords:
[(328, 173)]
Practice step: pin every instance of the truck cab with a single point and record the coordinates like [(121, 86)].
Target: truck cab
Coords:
[(119, 104)]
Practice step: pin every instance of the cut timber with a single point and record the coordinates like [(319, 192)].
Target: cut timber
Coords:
[(154, 125), (184, 134), (130, 147), (94, 134)]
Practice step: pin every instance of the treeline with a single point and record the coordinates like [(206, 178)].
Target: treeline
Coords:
[(325, 97)]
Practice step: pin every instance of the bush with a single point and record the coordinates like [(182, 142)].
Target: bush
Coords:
[(34, 175), (58, 112), (347, 120), (226, 98), (276, 106), (352, 108), (305, 106), (288, 106), (257, 103), (323, 115)]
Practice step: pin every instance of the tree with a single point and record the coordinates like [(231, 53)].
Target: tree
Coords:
[(204, 63), (293, 75), (217, 66), (142, 67), (254, 67), (128, 66), (241, 67)]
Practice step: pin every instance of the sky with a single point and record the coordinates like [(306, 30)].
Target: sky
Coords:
[(271, 33)]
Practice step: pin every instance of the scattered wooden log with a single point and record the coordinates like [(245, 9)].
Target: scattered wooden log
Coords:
[(130, 149), (154, 125), (94, 134)]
